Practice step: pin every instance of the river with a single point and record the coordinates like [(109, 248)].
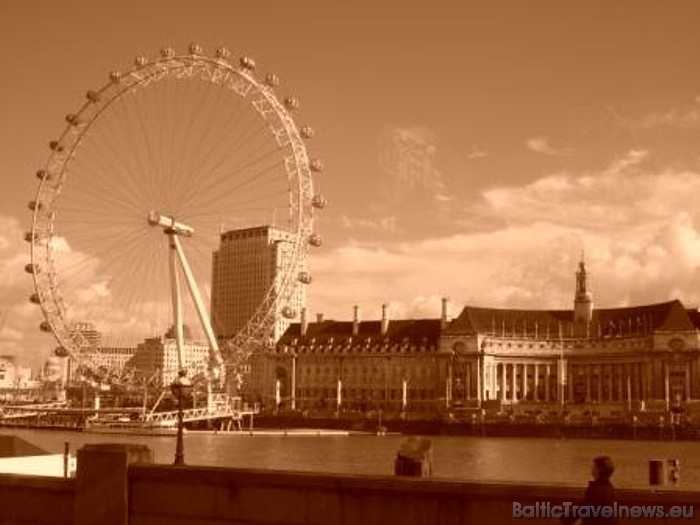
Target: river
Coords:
[(531, 460)]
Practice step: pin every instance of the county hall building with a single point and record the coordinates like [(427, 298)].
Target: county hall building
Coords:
[(639, 358)]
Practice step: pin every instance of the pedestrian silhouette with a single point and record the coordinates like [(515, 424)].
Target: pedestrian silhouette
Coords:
[(599, 493)]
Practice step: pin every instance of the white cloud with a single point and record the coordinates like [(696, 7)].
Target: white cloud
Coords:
[(622, 195), (408, 155), (542, 145), (638, 228), (687, 116), (19, 333), (476, 153), (387, 224)]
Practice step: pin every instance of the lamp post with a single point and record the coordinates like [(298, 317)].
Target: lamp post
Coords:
[(180, 388)]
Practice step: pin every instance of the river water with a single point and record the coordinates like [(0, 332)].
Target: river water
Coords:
[(532, 460)]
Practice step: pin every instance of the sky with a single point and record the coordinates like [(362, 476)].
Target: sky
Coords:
[(472, 149)]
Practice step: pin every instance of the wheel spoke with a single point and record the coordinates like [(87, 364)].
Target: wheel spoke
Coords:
[(169, 137)]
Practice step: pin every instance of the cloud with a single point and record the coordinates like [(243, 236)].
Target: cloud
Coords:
[(86, 289), (386, 224), (19, 319), (637, 225), (542, 145), (476, 153), (408, 155), (683, 117), (687, 116), (621, 195)]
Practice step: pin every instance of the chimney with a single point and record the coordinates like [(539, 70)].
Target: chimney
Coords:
[(304, 322), (355, 320), (385, 320), (319, 318), (443, 317)]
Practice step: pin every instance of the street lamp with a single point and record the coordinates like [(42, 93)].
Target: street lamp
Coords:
[(181, 388)]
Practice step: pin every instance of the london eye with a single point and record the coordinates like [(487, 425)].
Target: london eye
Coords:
[(137, 190)]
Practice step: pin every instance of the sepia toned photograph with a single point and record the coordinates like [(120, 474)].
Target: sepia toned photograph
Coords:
[(354, 263)]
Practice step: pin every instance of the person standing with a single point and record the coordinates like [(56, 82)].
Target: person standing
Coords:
[(599, 493)]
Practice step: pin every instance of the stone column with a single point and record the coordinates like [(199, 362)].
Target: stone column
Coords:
[(645, 370), (479, 380), (294, 381), (588, 371), (611, 369), (537, 382), (639, 381), (513, 382), (571, 378), (667, 386), (525, 385), (502, 366), (102, 482), (546, 382), (620, 382), (468, 380), (561, 380)]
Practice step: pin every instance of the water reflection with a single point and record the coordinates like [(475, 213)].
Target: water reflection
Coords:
[(471, 458)]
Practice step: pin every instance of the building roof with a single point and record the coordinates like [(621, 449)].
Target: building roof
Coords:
[(667, 316), (411, 329)]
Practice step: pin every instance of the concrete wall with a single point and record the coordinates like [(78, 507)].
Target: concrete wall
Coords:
[(36, 500), (160, 494), (111, 489)]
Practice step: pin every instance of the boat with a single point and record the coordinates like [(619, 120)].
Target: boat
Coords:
[(128, 426)]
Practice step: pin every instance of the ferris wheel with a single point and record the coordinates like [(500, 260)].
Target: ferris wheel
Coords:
[(140, 189)]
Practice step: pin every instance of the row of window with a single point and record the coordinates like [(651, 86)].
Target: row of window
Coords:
[(358, 349), (392, 394)]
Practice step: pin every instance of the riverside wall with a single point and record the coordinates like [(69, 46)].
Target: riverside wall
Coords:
[(117, 484)]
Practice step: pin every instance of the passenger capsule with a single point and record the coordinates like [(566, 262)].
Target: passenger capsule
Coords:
[(307, 132), (291, 103), (72, 119), (93, 96), (31, 268), (42, 175), (60, 351), (305, 277), (288, 312), (140, 61), (318, 201), (195, 49), (30, 237), (316, 165), (315, 240), (115, 76), (45, 326), (272, 80), (247, 63), (34, 205), (56, 145), (167, 52), (34, 298), (222, 53)]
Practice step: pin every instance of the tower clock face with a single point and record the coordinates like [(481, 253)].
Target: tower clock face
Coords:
[(676, 343)]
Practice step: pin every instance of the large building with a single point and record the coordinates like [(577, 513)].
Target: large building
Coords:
[(156, 358), (634, 358), (245, 269), (354, 365), (8, 371), (104, 360)]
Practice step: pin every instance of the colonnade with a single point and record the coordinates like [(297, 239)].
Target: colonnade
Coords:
[(560, 380)]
